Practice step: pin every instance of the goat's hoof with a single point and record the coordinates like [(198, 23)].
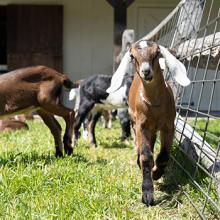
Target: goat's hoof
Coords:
[(69, 151), (59, 154), (157, 173), (147, 199)]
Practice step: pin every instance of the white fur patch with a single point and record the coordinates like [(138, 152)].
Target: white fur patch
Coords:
[(117, 98), (85, 135), (144, 67), (143, 44), (75, 95), (70, 98)]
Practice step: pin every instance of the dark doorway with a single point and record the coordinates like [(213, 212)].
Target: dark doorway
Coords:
[(34, 36), (3, 39)]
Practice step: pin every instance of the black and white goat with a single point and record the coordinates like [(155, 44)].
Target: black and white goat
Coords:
[(94, 98)]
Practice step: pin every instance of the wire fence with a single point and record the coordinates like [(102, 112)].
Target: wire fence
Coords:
[(192, 29)]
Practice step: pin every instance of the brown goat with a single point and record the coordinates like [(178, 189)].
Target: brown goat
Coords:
[(151, 107), (39, 89), (11, 125)]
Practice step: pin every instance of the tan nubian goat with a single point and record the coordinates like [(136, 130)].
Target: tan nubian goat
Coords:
[(152, 108)]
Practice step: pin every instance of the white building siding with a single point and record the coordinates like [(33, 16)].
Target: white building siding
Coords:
[(144, 16), (87, 35)]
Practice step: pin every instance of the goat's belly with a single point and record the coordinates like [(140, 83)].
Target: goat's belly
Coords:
[(99, 107), (11, 112)]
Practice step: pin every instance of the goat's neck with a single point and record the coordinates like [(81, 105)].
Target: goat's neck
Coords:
[(154, 90)]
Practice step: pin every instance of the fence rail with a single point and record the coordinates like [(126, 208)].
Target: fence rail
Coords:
[(193, 30)]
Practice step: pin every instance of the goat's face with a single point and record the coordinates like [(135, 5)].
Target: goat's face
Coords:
[(144, 54)]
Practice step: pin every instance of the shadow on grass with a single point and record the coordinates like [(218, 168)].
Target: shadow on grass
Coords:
[(78, 158), (119, 144), (175, 180), (11, 159)]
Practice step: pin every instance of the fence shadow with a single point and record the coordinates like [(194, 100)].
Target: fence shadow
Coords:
[(175, 178), (119, 145)]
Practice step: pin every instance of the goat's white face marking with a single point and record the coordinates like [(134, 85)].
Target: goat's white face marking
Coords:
[(143, 44), (145, 70)]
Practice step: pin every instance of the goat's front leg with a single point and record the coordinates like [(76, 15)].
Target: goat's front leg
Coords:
[(67, 138), (146, 164), (166, 139), (55, 130)]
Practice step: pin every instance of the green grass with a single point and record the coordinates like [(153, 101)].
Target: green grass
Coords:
[(213, 128), (102, 183)]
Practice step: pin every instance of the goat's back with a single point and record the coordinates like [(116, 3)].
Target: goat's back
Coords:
[(29, 88), (94, 87)]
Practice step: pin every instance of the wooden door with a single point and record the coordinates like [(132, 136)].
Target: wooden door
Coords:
[(34, 36), (3, 57)]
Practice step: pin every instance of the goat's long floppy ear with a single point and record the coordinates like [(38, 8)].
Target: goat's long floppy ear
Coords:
[(118, 76), (176, 68)]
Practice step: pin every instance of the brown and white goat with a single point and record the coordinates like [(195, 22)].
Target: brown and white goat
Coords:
[(152, 109), (39, 89)]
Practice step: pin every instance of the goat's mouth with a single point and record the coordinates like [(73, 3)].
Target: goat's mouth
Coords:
[(147, 78)]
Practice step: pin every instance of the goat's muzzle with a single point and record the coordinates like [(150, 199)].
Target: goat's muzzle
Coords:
[(145, 71)]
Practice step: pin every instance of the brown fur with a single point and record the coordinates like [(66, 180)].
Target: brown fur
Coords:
[(38, 89), (151, 112), (11, 125)]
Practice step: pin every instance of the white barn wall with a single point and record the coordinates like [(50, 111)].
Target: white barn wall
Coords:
[(87, 35), (143, 16)]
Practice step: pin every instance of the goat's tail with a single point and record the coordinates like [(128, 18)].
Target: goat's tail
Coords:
[(67, 83)]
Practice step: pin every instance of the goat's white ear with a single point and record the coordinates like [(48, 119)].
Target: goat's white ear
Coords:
[(118, 76), (176, 68), (162, 63)]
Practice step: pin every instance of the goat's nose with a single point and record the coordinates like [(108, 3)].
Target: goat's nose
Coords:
[(145, 69)]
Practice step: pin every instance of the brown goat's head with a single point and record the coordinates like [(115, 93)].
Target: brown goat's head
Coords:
[(144, 54)]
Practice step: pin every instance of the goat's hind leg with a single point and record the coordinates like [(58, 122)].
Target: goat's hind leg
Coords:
[(91, 128), (55, 130), (166, 139), (125, 123), (67, 138)]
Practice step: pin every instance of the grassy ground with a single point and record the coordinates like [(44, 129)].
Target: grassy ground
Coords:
[(102, 183), (213, 128)]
